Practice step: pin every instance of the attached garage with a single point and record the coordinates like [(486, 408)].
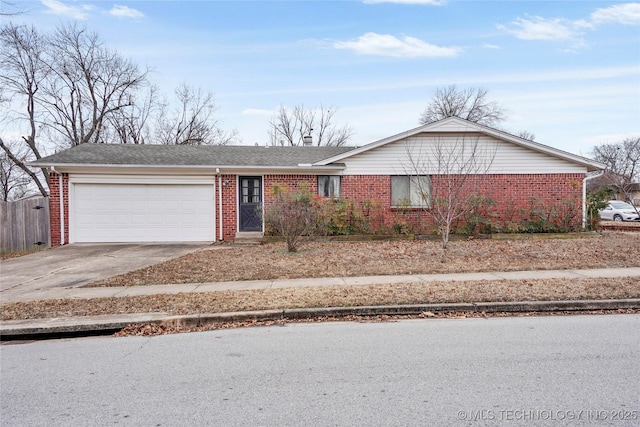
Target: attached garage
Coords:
[(141, 209)]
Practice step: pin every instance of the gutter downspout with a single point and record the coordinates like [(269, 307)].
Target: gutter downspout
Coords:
[(220, 237), (584, 196), (61, 200)]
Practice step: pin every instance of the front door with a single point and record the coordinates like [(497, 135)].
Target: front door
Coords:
[(250, 203)]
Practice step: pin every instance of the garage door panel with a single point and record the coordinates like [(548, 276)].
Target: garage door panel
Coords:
[(143, 212)]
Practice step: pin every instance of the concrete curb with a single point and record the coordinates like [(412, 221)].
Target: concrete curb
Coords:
[(95, 325), (85, 325)]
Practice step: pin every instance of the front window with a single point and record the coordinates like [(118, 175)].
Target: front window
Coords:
[(410, 191), (329, 186)]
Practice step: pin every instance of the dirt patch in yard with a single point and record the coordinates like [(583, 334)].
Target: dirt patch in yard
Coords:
[(334, 296), (338, 259)]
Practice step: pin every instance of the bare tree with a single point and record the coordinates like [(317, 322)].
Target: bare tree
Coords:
[(88, 83), (623, 164), (295, 215), (527, 135), (445, 174), (23, 70), (15, 183), (192, 121), (469, 104), (71, 88), (131, 125), (290, 126), (68, 84)]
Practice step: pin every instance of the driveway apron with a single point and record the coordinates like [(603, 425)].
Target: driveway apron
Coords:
[(78, 264)]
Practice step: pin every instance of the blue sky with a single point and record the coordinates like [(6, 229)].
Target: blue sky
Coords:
[(567, 71)]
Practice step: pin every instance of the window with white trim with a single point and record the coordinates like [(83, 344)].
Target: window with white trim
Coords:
[(410, 191), (329, 186)]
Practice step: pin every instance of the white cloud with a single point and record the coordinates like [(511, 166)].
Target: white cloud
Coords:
[(539, 28), (257, 112), (388, 45), (427, 2), (125, 12), (561, 29), (58, 8), (626, 14), (491, 46)]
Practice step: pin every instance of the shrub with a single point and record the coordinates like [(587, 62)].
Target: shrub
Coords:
[(480, 218), (346, 218), (597, 200), (295, 216)]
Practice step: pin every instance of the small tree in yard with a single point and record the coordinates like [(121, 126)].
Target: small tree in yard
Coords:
[(294, 215), (444, 175), (596, 201)]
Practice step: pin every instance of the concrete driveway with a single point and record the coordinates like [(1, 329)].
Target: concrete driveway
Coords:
[(78, 264)]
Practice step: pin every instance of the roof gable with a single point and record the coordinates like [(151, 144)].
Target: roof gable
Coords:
[(458, 125)]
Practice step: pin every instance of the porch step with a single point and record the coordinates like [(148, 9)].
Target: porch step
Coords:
[(248, 238)]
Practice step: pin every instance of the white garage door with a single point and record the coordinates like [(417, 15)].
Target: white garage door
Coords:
[(142, 213)]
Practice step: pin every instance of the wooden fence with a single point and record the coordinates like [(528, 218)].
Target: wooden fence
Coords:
[(24, 224)]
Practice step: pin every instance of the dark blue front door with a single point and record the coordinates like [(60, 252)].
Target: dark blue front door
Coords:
[(250, 203)]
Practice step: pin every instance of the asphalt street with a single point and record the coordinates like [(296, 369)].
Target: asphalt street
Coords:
[(556, 370)]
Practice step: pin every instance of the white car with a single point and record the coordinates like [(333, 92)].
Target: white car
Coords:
[(617, 210)]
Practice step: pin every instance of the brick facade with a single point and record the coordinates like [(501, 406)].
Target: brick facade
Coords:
[(512, 195), (229, 208), (54, 207), (290, 183)]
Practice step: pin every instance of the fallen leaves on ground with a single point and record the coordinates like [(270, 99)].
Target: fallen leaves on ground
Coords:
[(153, 329), (339, 259), (333, 296)]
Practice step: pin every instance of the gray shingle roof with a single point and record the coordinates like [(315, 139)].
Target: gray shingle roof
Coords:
[(189, 155)]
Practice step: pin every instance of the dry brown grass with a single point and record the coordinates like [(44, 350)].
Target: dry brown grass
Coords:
[(334, 296), (371, 258), (338, 259)]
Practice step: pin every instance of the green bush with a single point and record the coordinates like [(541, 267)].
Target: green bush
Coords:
[(596, 201)]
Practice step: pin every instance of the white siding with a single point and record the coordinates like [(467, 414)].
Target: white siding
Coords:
[(392, 158)]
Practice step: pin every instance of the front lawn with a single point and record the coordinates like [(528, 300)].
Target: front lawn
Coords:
[(271, 261), (338, 259)]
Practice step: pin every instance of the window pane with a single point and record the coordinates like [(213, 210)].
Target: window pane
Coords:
[(256, 191), (322, 182), (399, 190), (410, 191), (329, 185), (335, 186), (420, 190), (245, 191)]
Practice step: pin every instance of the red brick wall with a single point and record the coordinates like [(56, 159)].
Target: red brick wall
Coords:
[(510, 192), (549, 188), (229, 207), (54, 207), (290, 183), (374, 190)]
